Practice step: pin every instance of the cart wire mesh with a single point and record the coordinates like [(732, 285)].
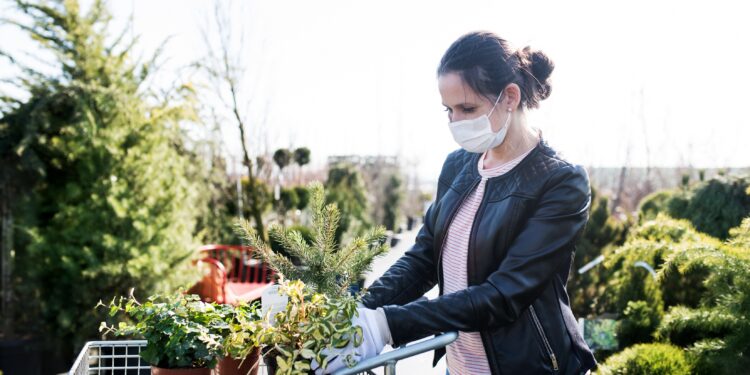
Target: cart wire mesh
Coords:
[(124, 357)]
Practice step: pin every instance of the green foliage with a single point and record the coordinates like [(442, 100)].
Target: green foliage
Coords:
[(180, 331), (346, 189), (262, 192), (717, 332), (393, 198), (302, 156), (647, 359), (602, 232), (664, 229), (718, 205), (653, 242), (238, 326), (639, 322), (739, 237), (626, 282), (310, 324), (282, 157), (303, 197), (685, 326), (288, 200), (326, 266), (113, 203), (655, 203), (278, 247), (713, 206)]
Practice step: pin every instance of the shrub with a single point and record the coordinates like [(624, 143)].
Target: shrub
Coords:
[(684, 326), (602, 232), (721, 324), (640, 320), (713, 206), (718, 205), (648, 359)]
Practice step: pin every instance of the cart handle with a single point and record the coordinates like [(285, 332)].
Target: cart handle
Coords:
[(389, 359)]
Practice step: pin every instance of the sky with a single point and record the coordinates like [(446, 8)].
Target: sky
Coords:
[(660, 83)]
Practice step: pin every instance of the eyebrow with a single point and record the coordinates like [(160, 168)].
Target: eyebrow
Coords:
[(463, 105)]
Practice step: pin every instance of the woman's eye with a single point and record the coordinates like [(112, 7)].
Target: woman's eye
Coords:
[(447, 110), (468, 110)]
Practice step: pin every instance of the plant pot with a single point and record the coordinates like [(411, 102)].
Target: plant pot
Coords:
[(180, 371), (248, 366)]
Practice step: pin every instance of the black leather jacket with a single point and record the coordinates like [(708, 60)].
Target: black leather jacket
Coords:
[(521, 249)]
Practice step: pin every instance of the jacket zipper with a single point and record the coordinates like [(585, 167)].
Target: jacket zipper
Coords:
[(544, 337), (445, 235)]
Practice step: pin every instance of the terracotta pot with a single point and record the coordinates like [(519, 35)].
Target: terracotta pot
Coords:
[(231, 366), (180, 371)]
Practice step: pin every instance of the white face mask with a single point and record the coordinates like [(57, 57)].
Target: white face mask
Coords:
[(476, 135)]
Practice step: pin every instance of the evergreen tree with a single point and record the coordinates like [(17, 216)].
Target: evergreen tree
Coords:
[(113, 204)]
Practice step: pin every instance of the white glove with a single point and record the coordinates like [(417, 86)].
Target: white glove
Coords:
[(375, 336)]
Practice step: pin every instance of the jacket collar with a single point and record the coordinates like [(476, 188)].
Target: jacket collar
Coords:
[(472, 173)]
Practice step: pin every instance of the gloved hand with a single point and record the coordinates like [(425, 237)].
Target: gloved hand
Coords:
[(375, 336)]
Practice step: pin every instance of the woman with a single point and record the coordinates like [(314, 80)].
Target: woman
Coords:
[(500, 237)]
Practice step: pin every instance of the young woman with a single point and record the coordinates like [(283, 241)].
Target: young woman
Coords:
[(500, 237)]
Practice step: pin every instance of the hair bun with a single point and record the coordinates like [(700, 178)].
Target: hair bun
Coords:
[(539, 66)]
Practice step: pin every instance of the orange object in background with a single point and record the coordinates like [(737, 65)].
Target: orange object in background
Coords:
[(231, 274)]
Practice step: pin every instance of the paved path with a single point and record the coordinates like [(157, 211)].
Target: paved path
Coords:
[(421, 364)]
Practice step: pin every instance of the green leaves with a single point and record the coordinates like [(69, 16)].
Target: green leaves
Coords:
[(311, 325), (325, 266), (182, 331)]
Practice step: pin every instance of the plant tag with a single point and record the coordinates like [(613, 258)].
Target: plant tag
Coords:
[(272, 302)]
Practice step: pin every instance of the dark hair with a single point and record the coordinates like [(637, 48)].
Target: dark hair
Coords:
[(486, 63)]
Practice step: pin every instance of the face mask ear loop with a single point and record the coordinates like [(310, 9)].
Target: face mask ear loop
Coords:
[(496, 101)]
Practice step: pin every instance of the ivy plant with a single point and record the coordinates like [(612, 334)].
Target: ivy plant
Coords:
[(180, 330)]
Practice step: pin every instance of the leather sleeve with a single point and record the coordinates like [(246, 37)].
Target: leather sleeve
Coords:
[(414, 274), (532, 259)]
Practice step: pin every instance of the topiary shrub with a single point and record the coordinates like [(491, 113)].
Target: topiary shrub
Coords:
[(648, 359)]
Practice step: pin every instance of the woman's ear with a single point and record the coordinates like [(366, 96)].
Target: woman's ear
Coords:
[(512, 97)]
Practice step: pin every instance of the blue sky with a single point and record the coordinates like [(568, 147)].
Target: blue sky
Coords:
[(354, 77)]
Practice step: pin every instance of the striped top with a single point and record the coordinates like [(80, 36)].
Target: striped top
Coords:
[(466, 355)]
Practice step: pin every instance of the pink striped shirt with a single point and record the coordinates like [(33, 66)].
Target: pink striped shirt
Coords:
[(466, 355)]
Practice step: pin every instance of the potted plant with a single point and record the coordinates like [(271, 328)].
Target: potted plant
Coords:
[(179, 330), (317, 316), (324, 266), (239, 331), (311, 326)]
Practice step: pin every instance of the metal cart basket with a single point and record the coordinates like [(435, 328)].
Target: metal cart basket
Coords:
[(123, 357)]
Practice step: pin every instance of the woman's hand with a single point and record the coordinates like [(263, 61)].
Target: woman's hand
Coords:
[(375, 335)]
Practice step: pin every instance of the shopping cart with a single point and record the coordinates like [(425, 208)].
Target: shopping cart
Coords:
[(123, 357)]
